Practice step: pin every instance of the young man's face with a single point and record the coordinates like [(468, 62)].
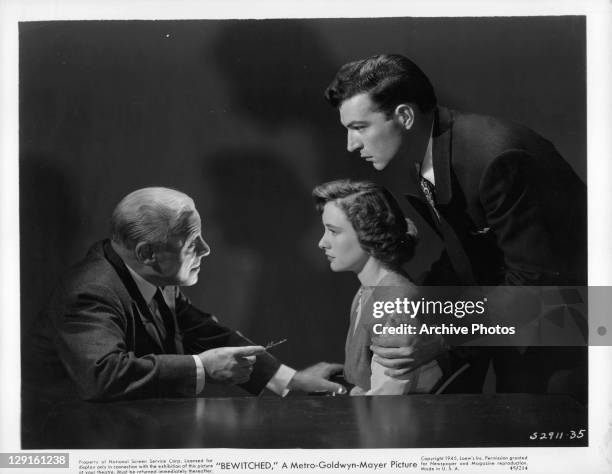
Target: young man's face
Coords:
[(376, 136)]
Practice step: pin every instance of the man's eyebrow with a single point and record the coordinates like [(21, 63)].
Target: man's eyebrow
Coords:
[(353, 123), (193, 235), (331, 226)]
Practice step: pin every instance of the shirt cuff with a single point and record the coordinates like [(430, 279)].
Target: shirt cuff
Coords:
[(280, 380), (420, 380), (200, 374)]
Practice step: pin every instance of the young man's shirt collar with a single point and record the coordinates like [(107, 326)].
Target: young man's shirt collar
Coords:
[(427, 170)]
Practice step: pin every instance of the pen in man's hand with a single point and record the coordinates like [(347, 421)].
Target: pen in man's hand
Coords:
[(270, 345)]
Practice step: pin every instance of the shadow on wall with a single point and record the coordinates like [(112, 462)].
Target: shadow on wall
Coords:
[(277, 78), (263, 214), (277, 70), (279, 82), (50, 217)]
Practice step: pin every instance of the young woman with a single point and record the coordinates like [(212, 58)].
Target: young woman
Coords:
[(366, 233)]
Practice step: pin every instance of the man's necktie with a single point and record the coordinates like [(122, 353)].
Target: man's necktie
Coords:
[(168, 318), (428, 191)]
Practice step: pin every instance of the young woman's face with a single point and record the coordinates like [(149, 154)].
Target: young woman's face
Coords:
[(339, 241)]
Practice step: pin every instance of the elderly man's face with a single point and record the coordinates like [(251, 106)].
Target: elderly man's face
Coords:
[(179, 262), (376, 136)]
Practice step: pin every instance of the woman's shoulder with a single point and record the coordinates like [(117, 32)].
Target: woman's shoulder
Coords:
[(399, 285)]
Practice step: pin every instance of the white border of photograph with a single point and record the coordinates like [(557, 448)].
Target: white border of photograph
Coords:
[(596, 458)]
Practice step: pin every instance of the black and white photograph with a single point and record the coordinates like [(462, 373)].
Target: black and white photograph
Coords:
[(356, 232)]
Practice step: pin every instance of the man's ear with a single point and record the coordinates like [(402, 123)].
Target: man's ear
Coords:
[(405, 115), (145, 253)]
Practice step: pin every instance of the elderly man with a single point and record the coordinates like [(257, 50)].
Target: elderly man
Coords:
[(509, 209), (118, 326)]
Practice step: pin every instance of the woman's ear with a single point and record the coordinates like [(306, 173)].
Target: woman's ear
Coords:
[(145, 253), (405, 115)]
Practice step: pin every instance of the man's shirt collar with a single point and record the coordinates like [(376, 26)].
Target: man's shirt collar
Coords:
[(147, 290), (427, 170)]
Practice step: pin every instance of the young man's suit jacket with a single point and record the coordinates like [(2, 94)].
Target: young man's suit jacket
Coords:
[(95, 341), (510, 211)]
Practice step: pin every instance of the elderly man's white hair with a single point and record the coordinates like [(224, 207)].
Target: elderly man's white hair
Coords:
[(151, 215)]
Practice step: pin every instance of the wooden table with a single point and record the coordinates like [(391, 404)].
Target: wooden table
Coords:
[(415, 421)]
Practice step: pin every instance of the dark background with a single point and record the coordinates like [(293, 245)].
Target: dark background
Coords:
[(232, 113)]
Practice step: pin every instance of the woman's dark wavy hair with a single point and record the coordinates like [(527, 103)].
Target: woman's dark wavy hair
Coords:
[(382, 230), (390, 79)]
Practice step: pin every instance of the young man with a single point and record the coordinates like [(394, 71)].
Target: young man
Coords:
[(509, 209)]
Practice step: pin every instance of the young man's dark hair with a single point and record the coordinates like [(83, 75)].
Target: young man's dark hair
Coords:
[(390, 79)]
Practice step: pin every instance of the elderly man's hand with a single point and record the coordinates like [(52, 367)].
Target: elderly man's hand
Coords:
[(401, 355), (230, 364), (315, 379)]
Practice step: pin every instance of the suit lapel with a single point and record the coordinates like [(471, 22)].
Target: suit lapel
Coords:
[(170, 295), (441, 135), (144, 313), (442, 157), (442, 154)]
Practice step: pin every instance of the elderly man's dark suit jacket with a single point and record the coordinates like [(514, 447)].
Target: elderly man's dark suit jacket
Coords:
[(511, 211), (92, 341)]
